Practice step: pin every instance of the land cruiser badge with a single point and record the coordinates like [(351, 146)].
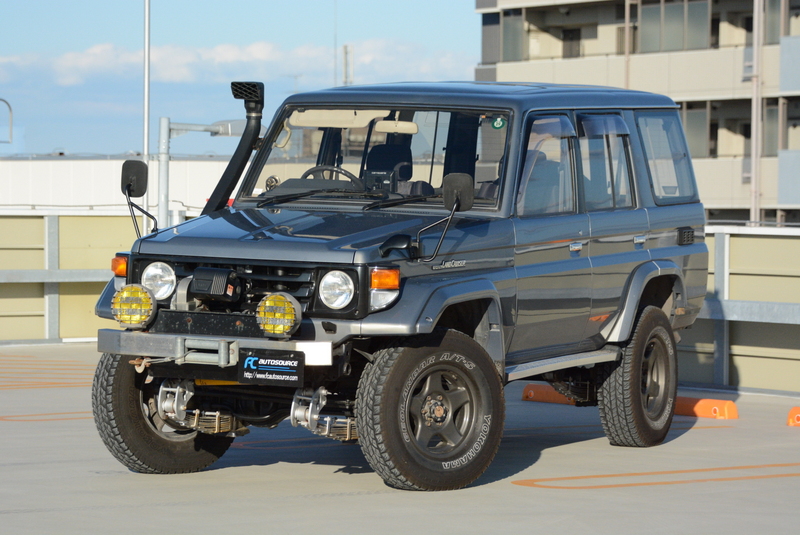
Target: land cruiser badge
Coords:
[(450, 264)]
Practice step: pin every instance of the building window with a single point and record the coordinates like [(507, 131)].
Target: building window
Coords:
[(514, 36), (669, 25), (571, 43), (633, 39), (490, 39), (695, 122)]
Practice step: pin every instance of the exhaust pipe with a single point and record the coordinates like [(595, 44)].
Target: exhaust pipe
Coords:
[(253, 95)]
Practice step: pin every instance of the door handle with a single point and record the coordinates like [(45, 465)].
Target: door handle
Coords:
[(575, 247), (638, 240)]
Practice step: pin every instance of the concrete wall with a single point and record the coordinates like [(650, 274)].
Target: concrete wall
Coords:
[(64, 183)]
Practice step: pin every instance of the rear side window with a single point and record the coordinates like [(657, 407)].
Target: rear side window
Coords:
[(667, 157), (604, 160)]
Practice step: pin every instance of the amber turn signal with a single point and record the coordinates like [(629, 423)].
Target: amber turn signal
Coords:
[(119, 265), (385, 279)]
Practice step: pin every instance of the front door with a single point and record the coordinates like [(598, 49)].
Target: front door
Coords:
[(552, 238)]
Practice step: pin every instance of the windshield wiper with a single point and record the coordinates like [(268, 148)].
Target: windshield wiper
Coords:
[(394, 202), (287, 197)]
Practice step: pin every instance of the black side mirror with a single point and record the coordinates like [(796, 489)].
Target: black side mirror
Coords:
[(134, 178), (398, 241), (458, 187)]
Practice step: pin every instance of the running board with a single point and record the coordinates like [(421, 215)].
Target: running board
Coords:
[(520, 371)]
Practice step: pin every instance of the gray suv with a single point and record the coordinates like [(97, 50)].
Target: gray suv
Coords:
[(386, 258)]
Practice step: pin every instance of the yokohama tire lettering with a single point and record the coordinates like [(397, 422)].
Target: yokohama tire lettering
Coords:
[(473, 451)]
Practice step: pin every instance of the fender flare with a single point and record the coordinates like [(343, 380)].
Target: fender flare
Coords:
[(620, 330), (461, 292)]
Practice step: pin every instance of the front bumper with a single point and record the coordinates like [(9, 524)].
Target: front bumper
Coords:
[(210, 350)]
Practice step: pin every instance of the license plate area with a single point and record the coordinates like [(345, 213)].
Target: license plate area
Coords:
[(274, 368)]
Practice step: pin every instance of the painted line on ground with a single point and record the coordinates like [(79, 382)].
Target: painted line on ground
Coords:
[(547, 482)]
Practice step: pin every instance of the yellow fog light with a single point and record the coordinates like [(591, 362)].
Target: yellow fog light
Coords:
[(133, 306), (278, 314)]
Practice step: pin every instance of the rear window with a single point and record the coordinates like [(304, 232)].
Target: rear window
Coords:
[(668, 159)]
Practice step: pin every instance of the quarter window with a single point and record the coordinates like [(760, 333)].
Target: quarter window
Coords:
[(667, 157)]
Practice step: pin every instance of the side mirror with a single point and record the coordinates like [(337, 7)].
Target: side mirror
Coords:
[(134, 178), (398, 241), (458, 187)]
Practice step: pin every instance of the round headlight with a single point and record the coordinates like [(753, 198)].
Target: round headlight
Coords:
[(133, 306), (159, 278), (336, 289)]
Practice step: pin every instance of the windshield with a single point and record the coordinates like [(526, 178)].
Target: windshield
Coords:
[(399, 155)]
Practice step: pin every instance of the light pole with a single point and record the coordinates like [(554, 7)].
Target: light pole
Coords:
[(755, 115), (168, 130), (146, 110)]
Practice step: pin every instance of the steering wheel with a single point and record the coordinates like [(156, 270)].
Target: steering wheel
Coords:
[(318, 168)]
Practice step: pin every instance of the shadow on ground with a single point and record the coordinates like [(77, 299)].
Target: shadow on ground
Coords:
[(530, 428)]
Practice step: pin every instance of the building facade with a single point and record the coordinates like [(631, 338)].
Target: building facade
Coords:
[(699, 52)]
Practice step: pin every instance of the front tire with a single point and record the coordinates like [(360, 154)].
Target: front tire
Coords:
[(430, 412), (636, 395), (123, 404)]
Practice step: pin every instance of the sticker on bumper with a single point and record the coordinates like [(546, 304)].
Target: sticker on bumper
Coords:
[(282, 370)]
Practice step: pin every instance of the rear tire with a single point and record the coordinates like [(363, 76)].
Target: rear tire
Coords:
[(430, 412), (636, 395), (123, 405)]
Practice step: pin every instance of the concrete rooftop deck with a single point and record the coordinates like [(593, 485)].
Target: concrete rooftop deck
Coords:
[(555, 471)]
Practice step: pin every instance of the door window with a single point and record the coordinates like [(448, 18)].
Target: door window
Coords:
[(547, 187), (605, 163)]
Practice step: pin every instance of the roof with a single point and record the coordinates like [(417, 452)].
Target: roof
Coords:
[(518, 96)]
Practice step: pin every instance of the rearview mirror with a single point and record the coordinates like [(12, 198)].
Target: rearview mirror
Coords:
[(458, 187), (134, 178)]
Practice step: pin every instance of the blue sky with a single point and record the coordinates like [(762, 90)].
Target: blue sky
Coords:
[(73, 71)]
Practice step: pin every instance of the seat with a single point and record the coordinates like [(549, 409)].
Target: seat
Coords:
[(541, 191), (396, 159)]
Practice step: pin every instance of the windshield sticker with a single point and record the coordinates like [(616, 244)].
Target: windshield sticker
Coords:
[(498, 123)]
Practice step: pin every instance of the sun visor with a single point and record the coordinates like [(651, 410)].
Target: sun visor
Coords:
[(318, 118)]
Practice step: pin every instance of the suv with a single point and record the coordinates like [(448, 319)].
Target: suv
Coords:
[(392, 257)]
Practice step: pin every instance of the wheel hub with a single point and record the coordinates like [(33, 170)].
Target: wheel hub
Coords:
[(434, 411)]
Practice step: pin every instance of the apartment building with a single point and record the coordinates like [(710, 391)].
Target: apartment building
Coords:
[(699, 52)]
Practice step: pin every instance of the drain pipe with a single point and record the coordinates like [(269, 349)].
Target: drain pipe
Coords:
[(253, 95)]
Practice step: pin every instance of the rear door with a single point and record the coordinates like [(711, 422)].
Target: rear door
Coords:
[(618, 224)]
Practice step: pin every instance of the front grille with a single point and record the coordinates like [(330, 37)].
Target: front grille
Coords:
[(252, 282), (298, 283)]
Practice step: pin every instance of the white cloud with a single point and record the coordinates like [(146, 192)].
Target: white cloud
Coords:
[(73, 68), (9, 65), (377, 60)]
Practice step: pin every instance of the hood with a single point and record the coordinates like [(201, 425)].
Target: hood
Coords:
[(286, 235)]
